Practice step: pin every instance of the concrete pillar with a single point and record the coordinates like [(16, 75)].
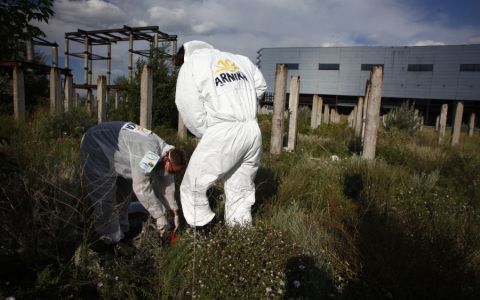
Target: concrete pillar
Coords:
[(68, 91), (116, 100), (457, 123), (373, 113), (276, 142), (359, 117), (365, 107), (102, 98), (182, 129), (85, 60), (313, 120), (293, 110), (55, 56), (443, 123), (146, 85), (91, 105), (351, 117), (90, 64), (77, 99), (422, 120), (471, 124), (130, 57), (326, 115), (55, 92), (66, 57), (319, 111), (109, 62), (437, 123), (18, 94)]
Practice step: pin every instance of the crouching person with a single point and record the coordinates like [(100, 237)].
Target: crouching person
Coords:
[(118, 159)]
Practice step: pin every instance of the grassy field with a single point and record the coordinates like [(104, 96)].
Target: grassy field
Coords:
[(405, 226)]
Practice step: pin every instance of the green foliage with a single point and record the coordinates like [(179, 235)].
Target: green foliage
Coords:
[(404, 226), (17, 18), (403, 118), (73, 123), (164, 111)]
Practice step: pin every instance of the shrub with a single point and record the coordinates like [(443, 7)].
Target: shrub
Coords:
[(403, 118)]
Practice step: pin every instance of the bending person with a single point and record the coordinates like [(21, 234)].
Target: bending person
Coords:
[(217, 96), (121, 158)]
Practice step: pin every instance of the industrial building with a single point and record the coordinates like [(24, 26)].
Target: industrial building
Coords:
[(427, 76)]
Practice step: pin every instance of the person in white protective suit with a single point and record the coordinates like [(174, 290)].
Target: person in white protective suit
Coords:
[(118, 158), (217, 95)]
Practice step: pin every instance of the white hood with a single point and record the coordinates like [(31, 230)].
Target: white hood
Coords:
[(193, 46)]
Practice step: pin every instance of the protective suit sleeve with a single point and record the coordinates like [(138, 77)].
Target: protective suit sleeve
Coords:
[(260, 84), (167, 191), (189, 101), (146, 195)]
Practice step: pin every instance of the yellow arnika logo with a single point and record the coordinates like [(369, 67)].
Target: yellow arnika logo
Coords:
[(226, 65)]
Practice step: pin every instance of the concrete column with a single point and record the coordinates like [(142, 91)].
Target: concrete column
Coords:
[(373, 113), (77, 99), (54, 56), (365, 107), (130, 57), (359, 117), (116, 100), (55, 92), (276, 142), (102, 98), (326, 115), (68, 91), (457, 123), (293, 110), (313, 120), (319, 111), (443, 123), (90, 64), (146, 85), (422, 121), (471, 124), (437, 123), (85, 60), (351, 117), (182, 129), (18, 94), (91, 105), (66, 56), (109, 62)]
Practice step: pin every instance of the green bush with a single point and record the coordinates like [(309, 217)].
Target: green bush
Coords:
[(403, 118)]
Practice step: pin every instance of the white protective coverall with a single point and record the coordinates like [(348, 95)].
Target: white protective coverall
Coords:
[(216, 96), (110, 155)]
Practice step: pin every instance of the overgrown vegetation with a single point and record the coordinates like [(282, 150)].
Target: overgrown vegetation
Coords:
[(403, 227), (404, 118)]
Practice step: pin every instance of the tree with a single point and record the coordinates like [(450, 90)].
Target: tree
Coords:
[(164, 111), (16, 17)]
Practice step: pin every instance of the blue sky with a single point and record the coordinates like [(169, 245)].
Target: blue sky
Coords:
[(246, 26)]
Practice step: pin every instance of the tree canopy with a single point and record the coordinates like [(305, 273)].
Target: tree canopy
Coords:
[(16, 17)]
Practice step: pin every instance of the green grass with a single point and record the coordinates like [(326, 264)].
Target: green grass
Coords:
[(405, 226)]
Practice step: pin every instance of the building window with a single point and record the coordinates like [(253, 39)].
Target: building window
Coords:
[(369, 67), (470, 68), (420, 68), (290, 66), (329, 67)]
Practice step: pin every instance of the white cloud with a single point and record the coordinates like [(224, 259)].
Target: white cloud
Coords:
[(204, 28), (427, 43), (90, 13), (248, 25)]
